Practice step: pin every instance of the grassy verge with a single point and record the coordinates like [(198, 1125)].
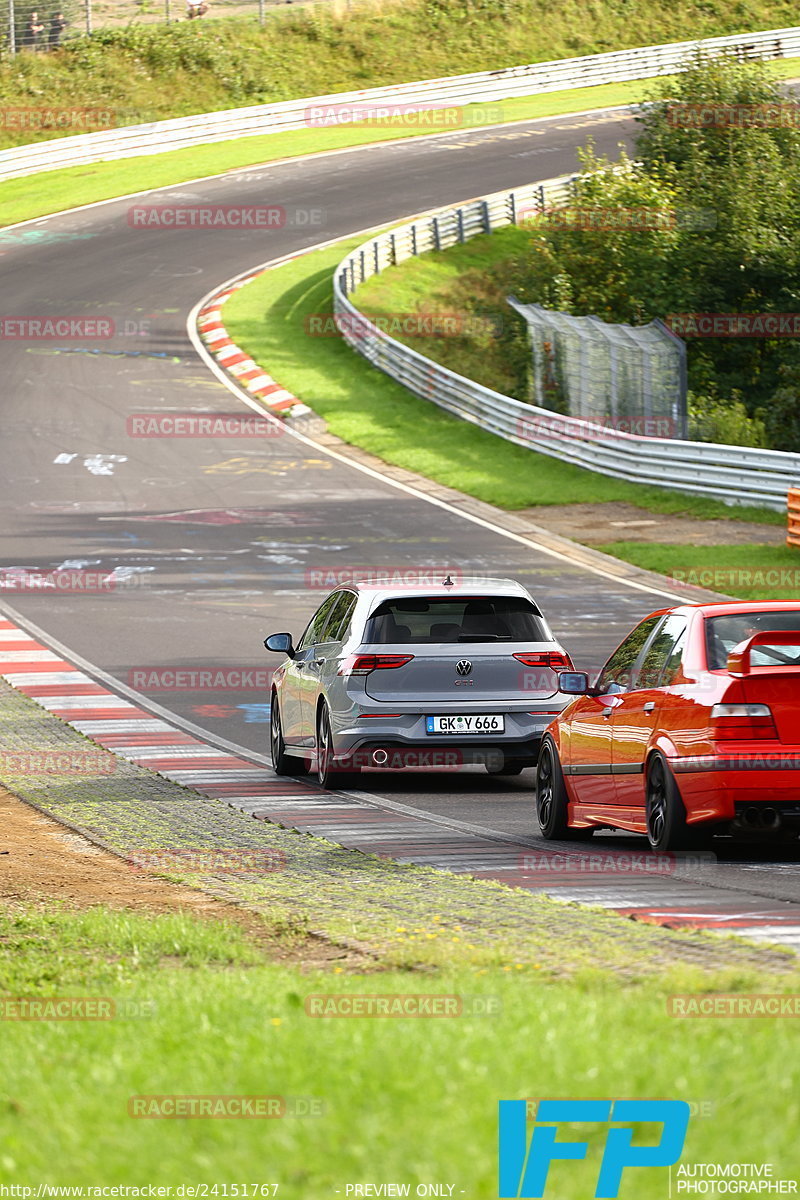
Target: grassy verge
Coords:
[(367, 409), (146, 74), (401, 915), (468, 280), (752, 572), (200, 1012), (55, 191)]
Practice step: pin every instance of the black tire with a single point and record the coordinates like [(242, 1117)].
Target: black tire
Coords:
[(329, 775), (282, 763), (551, 798), (665, 812)]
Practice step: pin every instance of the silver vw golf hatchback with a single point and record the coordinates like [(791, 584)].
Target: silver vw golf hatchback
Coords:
[(426, 677)]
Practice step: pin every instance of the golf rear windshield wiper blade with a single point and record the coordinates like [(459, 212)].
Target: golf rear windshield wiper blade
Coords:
[(483, 637)]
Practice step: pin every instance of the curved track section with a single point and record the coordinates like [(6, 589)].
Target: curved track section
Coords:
[(212, 541)]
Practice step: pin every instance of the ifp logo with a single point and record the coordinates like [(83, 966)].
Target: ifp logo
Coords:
[(524, 1167)]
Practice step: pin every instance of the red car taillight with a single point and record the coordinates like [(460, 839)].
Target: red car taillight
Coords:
[(362, 664), (553, 660), (742, 722)]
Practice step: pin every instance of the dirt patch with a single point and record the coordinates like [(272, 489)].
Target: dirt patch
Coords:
[(595, 524), (42, 861)]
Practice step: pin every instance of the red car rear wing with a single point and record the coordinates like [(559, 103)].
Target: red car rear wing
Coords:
[(739, 657)]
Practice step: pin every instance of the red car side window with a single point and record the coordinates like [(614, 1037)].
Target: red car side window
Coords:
[(617, 673)]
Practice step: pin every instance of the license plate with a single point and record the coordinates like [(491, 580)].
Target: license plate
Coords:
[(474, 723)]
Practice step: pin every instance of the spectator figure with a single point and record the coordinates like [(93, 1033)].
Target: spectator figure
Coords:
[(33, 31), (57, 27), (196, 8)]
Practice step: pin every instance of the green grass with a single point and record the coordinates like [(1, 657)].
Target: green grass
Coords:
[(99, 77), (752, 572), (150, 73), (415, 917), (466, 279), (402, 1100), (40, 950), (54, 191), (367, 409)]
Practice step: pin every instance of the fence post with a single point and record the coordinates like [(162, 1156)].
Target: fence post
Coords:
[(414, 239), (487, 217), (460, 216), (261, 12), (512, 199), (682, 416), (88, 16), (436, 243), (12, 33)]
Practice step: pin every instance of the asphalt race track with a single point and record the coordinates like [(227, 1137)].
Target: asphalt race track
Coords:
[(212, 540)]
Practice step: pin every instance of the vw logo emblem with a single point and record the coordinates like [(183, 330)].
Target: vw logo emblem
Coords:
[(464, 666)]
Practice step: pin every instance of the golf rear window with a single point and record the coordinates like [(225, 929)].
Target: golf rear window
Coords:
[(723, 633), (451, 619)]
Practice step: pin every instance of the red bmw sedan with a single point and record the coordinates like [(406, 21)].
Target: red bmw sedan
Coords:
[(691, 728)]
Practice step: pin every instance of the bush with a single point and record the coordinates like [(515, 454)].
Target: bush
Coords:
[(714, 419), (782, 414)]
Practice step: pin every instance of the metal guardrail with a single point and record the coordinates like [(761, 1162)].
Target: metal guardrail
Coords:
[(735, 474), (484, 87)]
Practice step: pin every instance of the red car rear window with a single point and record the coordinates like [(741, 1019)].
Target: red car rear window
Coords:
[(723, 633)]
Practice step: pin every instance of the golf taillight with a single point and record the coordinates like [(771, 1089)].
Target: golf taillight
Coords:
[(362, 664), (553, 660), (742, 722)]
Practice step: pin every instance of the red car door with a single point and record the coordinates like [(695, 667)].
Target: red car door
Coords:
[(640, 714), (590, 750), (589, 768)]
